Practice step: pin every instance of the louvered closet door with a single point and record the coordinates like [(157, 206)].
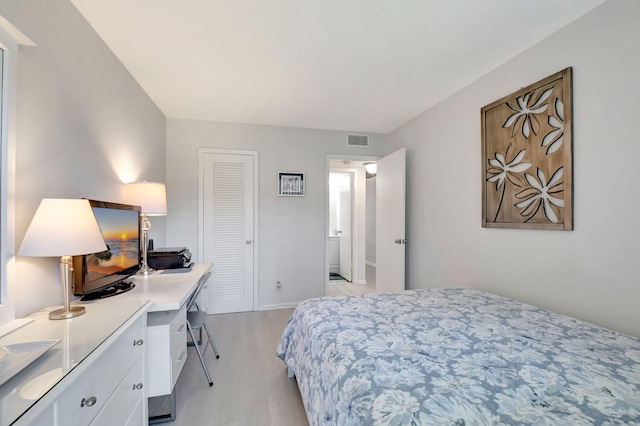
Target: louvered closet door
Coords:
[(227, 211)]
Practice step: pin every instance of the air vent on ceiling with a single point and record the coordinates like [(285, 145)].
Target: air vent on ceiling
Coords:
[(358, 141)]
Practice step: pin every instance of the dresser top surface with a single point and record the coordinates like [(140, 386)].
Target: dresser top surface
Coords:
[(79, 337)]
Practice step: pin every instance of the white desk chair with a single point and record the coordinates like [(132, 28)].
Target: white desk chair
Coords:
[(196, 321)]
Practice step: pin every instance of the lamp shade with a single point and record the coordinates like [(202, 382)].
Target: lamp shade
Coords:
[(150, 196), (62, 227), (371, 168)]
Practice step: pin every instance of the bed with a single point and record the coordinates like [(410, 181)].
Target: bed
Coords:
[(457, 356)]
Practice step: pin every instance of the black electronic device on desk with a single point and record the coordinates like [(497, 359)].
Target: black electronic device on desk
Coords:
[(169, 258), (105, 274)]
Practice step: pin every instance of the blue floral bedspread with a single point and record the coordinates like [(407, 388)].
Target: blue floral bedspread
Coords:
[(457, 356)]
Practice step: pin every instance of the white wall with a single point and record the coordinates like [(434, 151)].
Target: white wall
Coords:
[(336, 185), (84, 126), (589, 273), (371, 221), (291, 234)]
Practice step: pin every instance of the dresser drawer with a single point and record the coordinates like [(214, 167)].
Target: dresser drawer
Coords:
[(179, 324), (178, 358), (137, 417), (46, 418), (124, 399), (83, 399)]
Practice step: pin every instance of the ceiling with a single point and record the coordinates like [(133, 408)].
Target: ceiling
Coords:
[(353, 65)]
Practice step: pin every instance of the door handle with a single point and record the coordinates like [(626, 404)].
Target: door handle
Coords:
[(248, 242), (400, 241)]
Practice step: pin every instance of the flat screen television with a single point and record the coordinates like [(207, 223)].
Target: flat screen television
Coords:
[(105, 274)]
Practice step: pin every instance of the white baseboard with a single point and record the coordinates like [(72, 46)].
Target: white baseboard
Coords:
[(278, 306), (370, 263)]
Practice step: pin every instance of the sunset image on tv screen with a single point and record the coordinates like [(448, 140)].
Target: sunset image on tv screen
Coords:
[(121, 235)]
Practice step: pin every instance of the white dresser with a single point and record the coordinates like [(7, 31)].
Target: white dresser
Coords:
[(94, 375), (108, 361)]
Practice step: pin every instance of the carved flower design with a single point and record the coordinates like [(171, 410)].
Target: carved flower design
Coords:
[(525, 113), (502, 170), (555, 137), (541, 194)]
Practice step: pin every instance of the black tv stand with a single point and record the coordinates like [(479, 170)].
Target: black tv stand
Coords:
[(114, 290)]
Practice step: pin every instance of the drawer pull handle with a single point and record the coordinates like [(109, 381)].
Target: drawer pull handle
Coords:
[(138, 342), (137, 386), (180, 329), (88, 402)]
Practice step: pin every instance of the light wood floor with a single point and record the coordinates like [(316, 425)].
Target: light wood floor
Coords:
[(250, 384)]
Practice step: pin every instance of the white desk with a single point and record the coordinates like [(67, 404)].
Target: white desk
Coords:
[(166, 290)]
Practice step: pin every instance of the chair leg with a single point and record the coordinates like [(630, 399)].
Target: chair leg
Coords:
[(204, 367), (213, 345)]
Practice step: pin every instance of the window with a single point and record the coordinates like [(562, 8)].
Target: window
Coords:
[(10, 38), (6, 234), (3, 225)]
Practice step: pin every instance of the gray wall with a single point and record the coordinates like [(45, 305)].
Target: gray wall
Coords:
[(291, 234), (370, 252), (589, 273), (84, 126)]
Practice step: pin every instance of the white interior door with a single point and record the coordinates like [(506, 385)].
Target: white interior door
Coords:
[(226, 228), (390, 220), (346, 221)]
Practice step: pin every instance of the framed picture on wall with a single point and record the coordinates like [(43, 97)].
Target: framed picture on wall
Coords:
[(527, 158), (290, 184)]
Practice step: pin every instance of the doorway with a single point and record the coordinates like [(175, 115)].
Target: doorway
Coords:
[(351, 226), (378, 238), (340, 224)]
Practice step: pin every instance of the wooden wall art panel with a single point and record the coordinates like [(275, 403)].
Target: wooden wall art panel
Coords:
[(527, 157)]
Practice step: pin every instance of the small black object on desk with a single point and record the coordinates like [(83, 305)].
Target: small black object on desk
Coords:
[(169, 258), (114, 290)]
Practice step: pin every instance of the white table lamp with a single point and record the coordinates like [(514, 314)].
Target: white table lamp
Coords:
[(65, 228), (152, 198)]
